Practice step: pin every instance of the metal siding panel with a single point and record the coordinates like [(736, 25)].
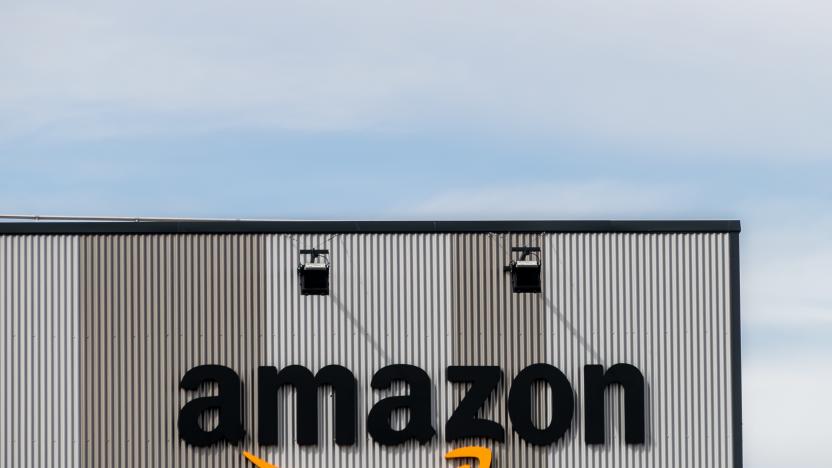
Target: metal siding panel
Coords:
[(39, 330), (149, 307), (153, 307)]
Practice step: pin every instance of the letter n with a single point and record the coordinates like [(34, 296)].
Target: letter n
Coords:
[(595, 383)]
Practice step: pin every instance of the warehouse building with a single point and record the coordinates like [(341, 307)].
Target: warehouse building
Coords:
[(370, 344)]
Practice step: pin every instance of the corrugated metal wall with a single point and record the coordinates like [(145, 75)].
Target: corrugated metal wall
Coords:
[(39, 338), (150, 307)]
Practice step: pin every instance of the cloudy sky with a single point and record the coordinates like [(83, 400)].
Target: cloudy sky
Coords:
[(368, 109)]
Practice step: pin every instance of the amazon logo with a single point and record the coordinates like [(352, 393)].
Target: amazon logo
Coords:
[(464, 422)]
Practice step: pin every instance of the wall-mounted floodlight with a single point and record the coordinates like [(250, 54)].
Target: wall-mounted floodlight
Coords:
[(313, 276), (525, 273)]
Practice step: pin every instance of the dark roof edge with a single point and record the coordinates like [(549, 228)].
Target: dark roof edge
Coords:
[(296, 227)]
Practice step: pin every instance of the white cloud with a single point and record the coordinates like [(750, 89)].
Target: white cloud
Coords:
[(592, 199), (786, 275), (787, 411), (730, 77)]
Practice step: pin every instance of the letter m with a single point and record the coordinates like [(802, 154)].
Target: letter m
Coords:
[(306, 388)]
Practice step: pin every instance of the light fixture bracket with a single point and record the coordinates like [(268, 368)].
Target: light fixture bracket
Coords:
[(525, 274), (313, 276)]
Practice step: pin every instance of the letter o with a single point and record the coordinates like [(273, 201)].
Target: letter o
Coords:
[(520, 404)]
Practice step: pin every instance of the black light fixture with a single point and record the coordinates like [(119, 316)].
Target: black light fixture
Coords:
[(313, 276), (525, 274)]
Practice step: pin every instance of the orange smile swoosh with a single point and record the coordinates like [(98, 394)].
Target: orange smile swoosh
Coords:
[(481, 454), (259, 463)]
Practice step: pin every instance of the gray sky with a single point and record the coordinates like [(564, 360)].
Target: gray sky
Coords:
[(404, 110)]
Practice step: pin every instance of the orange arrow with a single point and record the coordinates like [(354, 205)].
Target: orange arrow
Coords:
[(481, 454), (259, 463)]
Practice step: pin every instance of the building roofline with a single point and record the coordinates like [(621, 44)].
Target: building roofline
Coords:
[(351, 227)]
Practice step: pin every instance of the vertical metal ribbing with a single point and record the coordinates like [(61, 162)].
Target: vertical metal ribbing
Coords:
[(38, 354), (660, 302), (152, 308), (148, 307)]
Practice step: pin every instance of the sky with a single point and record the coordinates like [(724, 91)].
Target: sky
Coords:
[(369, 109)]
